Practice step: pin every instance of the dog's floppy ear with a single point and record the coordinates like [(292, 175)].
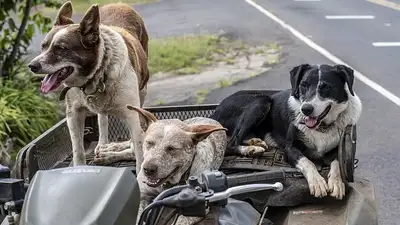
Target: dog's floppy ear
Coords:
[(150, 117), (64, 14), (90, 26), (296, 74), (348, 75), (200, 132)]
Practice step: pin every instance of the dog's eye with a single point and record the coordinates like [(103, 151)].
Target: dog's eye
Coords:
[(169, 148), (324, 89), (324, 86), (303, 87), (43, 46), (149, 144), (58, 47)]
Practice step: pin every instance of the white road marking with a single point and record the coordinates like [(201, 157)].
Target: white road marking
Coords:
[(349, 17), (387, 24), (386, 3), (387, 94), (386, 44)]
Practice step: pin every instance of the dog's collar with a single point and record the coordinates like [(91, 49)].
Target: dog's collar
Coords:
[(323, 126), (101, 86)]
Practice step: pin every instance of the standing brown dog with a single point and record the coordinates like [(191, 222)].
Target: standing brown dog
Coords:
[(102, 62)]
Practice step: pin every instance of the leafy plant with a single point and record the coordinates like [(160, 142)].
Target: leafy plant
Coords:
[(15, 39), (24, 114)]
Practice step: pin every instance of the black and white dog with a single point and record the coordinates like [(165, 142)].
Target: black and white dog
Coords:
[(306, 120)]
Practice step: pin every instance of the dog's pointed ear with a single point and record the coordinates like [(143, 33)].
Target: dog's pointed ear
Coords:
[(296, 74), (90, 26), (200, 132), (64, 15), (150, 117), (348, 75)]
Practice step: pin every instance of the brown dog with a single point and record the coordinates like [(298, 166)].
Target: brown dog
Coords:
[(103, 63)]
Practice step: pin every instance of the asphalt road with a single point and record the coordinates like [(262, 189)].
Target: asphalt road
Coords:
[(351, 40)]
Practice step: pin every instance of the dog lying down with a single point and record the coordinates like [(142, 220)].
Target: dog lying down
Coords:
[(306, 120), (173, 150)]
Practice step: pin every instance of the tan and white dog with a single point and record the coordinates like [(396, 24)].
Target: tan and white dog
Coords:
[(175, 150), (102, 62)]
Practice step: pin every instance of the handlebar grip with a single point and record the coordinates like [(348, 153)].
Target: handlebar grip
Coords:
[(257, 177)]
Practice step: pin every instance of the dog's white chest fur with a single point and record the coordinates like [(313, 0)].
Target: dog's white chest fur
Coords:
[(320, 141)]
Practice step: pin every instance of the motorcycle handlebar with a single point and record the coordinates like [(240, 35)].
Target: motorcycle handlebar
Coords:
[(215, 186), (257, 177), (244, 189)]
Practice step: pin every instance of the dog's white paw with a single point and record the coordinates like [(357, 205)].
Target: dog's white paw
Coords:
[(257, 142), (104, 158), (111, 147), (252, 150), (336, 187), (317, 185)]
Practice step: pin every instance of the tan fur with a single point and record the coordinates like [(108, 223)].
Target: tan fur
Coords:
[(108, 53), (192, 146), (137, 55), (132, 22), (131, 27)]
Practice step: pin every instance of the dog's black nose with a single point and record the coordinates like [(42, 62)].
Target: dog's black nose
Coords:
[(35, 67), (307, 109), (150, 169)]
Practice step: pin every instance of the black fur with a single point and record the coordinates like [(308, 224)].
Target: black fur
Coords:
[(255, 113)]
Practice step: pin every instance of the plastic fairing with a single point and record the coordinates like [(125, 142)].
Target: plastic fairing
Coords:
[(84, 195)]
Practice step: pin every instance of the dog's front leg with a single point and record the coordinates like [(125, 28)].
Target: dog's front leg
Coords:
[(103, 145), (335, 182), (102, 120), (134, 149), (137, 136), (76, 126), (316, 182)]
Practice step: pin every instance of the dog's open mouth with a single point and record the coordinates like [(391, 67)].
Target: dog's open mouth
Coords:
[(53, 80), (157, 182), (313, 122)]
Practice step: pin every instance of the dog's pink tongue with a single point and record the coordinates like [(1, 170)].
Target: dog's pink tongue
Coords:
[(310, 121), (48, 82)]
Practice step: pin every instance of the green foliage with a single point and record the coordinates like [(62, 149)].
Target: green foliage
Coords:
[(15, 39), (24, 114), (183, 55)]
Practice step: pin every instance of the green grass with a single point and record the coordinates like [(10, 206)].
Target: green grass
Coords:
[(183, 55), (201, 96), (80, 6), (224, 83)]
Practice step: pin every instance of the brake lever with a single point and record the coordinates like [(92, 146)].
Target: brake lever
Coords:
[(244, 189)]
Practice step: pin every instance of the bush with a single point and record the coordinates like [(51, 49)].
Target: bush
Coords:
[(24, 114), (15, 35)]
